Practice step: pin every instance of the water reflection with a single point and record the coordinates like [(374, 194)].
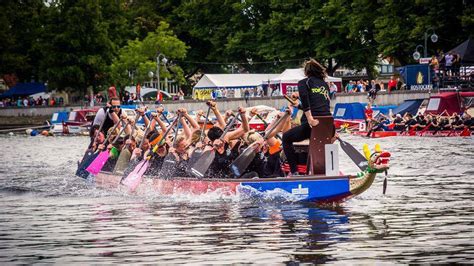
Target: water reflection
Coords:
[(49, 216)]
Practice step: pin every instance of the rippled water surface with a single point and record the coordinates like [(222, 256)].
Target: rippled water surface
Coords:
[(47, 215)]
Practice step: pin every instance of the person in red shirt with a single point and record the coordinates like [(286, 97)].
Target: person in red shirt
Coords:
[(392, 84), (368, 116)]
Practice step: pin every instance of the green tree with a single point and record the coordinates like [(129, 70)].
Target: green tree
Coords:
[(139, 57), (78, 44), (20, 34)]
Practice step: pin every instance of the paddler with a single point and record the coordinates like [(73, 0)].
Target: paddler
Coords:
[(111, 113), (266, 163), (225, 148), (314, 95)]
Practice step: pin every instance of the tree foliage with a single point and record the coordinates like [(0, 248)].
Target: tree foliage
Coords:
[(140, 57), (81, 43)]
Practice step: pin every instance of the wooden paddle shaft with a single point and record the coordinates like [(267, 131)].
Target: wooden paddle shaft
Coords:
[(145, 133), (205, 123), (229, 125), (275, 125)]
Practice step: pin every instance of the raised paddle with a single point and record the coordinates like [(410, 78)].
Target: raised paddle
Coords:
[(240, 164), (89, 155), (201, 166), (266, 124), (135, 177), (96, 166), (169, 162), (198, 151), (82, 170), (132, 164), (125, 154)]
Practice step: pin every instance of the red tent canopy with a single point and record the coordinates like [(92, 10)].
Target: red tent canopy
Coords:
[(447, 102)]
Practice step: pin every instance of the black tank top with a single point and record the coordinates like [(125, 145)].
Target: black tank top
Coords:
[(314, 95), (108, 123)]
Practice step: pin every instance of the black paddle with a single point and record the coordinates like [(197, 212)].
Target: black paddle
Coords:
[(241, 163), (92, 155), (169, 162), (354, 154), (133, 164), (198, 151), (266, 124), (125, 154), (201, 166)]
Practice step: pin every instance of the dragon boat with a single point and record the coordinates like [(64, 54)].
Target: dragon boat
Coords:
[(322, 183), (428, 133)]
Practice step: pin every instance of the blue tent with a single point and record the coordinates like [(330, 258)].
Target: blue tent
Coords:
[(408, 106), (349, 111), (24, 89), (59, 117)]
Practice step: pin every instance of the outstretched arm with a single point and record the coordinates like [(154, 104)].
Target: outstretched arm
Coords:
[(215, 110)]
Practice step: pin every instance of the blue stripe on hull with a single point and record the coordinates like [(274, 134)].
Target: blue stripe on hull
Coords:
[(306, 190)]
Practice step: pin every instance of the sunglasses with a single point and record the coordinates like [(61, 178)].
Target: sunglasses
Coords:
[(115, 106)]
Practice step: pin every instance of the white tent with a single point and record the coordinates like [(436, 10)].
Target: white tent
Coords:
[(146, 92), (293, 75), (287, 81), (233, 82)]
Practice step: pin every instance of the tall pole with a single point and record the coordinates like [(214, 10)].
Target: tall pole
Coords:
[(425, 48), (158, 77)]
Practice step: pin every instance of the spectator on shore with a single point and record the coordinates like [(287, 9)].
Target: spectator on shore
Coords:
[(456, 65), (126, 97), (246, 96), (332, 90), (99, 98), (392, 84), (181, 95), (442, 63), (449, 63)]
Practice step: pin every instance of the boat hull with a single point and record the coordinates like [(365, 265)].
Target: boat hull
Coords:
[(317, 189), (444, 133)]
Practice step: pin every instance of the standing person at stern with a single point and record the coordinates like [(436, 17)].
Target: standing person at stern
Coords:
[(314, 95)]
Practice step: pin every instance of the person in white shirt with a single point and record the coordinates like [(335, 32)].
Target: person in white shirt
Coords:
[(332, 90)]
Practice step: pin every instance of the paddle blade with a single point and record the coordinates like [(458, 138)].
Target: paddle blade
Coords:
[(354, 154), (135, 177), (201, 166), (384, 185), (122, 161), (99, 162), (88, 158), (240, 164), (193, 159), (168, 168)]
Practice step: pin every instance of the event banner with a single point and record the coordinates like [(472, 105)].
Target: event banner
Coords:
[(417, 77)]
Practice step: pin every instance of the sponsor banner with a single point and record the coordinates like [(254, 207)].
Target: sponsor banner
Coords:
[(417, 77), (424, 60)]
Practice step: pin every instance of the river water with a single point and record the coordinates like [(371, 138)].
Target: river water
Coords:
[(47, 215)]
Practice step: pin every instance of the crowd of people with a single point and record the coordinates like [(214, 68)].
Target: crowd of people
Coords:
[(31, 102), (271, 147)]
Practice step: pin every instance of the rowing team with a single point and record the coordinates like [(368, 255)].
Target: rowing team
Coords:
[(182, 147), (421, 122)]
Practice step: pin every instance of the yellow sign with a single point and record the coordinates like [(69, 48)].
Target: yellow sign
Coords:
[(419, 78), (202, 94)]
